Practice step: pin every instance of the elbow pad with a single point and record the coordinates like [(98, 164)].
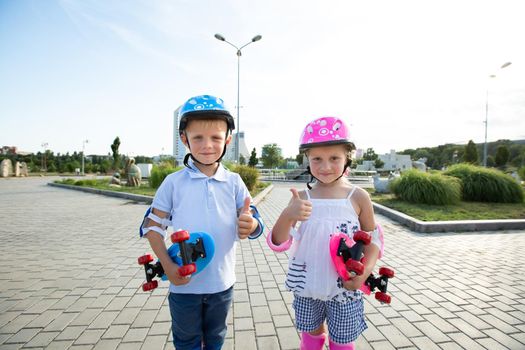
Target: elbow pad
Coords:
[(163, 222), (260, 223), (281, 247), (378, 239)]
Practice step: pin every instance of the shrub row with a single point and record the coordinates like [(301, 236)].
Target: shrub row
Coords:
[(486, 185), (461, 181), (418, 187)]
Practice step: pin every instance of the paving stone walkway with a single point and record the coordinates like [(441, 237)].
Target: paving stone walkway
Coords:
[(69, 280)]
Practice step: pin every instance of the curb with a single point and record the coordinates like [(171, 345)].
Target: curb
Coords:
[(139, 197), (448, 226), (123, 195)]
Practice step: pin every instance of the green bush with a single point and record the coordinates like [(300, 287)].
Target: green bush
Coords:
[(89, 182), (67, 181), (249, 175), (521, 173), (159, 173), (486, 185), (417, 187)]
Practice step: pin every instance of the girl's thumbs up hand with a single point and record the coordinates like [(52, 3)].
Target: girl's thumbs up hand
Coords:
[(298, 209), (247, 224)]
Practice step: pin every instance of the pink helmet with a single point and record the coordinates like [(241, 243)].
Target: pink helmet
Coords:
[(325, 131)]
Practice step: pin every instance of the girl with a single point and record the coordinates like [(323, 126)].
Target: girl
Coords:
[(331, 205)]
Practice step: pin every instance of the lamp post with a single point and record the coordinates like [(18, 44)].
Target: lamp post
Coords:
[(485, 148), (239, 54), (83, 148), (44, 146)]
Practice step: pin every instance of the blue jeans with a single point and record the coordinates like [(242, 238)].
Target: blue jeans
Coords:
[(199, 319)]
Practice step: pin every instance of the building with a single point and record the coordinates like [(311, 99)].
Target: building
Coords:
[(392, 162), (8, 150), (179, 150), (230, 150)]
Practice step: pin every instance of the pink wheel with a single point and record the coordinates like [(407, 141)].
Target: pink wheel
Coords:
[(363, 237), (150, 286), (143, 260), (386, 271), (187, 269), (383, 298), (355, 267), (180, 236)]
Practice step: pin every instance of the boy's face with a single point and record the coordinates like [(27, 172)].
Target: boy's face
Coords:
[(327, 162), (206, 139)]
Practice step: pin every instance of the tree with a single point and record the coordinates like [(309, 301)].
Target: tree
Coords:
[(379, 164), (471, 153), (271, 155), (114, 149), (370, 154), (242, 160), (502, 156), (253, 159), (299, 158)]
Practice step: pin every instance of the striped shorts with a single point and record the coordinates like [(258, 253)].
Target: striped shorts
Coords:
[(346, 321)]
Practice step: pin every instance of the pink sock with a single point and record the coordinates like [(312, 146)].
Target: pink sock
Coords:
[(337, 346), (312, 342)]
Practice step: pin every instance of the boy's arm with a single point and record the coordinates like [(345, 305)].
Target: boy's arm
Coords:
[(156, 241), (246, 222)]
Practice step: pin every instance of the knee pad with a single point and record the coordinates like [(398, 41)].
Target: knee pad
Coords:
[(312, 342), (337, 346)]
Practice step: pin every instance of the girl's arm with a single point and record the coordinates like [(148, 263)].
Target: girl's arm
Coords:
[(297, 210), (371, 251)]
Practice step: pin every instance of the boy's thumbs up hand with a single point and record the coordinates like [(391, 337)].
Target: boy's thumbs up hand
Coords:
[(246, 222), (298, 209)]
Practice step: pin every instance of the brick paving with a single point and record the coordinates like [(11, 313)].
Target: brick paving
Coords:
[(69, 280)]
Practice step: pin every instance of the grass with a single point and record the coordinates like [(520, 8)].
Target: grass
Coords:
[(145, 189), (461, 211)]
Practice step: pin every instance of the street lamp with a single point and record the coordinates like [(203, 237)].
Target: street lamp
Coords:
[(83, 148), (505, 65), (44, 146), (239, 54)]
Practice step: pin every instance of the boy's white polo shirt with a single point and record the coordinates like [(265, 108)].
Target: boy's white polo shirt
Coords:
[(207, 204)]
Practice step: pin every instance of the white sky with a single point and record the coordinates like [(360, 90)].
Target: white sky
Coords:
[(403, 74)]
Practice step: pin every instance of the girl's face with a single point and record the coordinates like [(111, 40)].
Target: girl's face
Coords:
[(206, 139), (327, 163)]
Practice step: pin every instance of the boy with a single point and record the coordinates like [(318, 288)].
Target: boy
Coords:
[(206, 197)]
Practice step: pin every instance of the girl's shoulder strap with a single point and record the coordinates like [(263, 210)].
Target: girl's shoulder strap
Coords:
[(351, 192)]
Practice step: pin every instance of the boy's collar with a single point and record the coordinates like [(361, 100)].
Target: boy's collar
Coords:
[(220, 173)]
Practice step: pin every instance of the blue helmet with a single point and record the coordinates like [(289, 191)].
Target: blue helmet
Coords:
[(204, 107)]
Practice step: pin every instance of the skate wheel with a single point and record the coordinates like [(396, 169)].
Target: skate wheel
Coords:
[(386, 271), (383, 297), (363, 237), (180, 236), (355, 267), (187, 269), (150, 286), (143, 260)]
